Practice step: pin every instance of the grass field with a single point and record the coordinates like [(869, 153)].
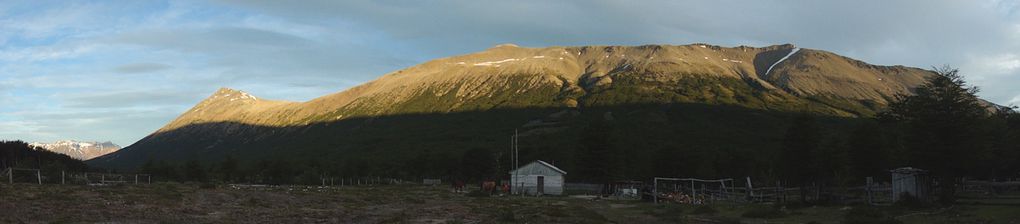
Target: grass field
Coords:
[(189, 203)]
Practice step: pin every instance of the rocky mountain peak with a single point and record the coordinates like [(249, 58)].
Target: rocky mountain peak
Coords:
[(83, 150)]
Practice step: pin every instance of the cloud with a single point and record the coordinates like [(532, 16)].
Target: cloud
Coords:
[(66, 62), (220, 39), (41, 53), (141, 68), (240, 53), (120, 99), (1008, 63), (17, 128), (122, 126), (882, 32), (46, 21)]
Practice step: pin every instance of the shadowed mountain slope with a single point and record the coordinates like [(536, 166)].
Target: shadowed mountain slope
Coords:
[(447, 105)]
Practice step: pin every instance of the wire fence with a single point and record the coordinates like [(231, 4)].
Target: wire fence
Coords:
[(38, 176)]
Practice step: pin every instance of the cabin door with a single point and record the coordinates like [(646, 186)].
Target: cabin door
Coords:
[(541, 185)]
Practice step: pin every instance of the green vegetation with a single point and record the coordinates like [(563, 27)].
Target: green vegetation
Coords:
[(763, 212), (704, 210), (867, 215)]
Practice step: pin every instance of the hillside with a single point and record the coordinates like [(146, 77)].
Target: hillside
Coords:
[(689, 98)]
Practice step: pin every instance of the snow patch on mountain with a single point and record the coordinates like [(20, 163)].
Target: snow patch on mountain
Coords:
[(83, 150), (794, 51)]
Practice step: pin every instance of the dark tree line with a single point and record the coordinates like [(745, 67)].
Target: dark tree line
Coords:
[(19, 154), (946, 129), (943, 128), (476, 164)]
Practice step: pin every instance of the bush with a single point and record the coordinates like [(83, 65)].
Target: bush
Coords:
[(763, 213), (478, 194), (704, 209), (909, 201), (507, 215), (207, 185), (862, 215)]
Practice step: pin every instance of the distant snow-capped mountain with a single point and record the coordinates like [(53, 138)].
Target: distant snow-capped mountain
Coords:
[(79, 149)]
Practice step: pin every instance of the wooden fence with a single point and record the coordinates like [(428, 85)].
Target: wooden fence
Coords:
[(38, 176), (698, 191), (365, 181)]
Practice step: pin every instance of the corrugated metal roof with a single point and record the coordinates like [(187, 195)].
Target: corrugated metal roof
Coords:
[(543, 163), (908, 170)]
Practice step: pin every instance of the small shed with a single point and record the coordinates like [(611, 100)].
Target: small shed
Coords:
[(537, 178), (911, 181)]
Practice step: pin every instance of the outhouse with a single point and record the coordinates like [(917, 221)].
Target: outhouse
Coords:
[(909, 180)]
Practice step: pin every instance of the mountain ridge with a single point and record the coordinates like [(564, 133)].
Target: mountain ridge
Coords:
[(577, 69), (565, 78), (83, 150)]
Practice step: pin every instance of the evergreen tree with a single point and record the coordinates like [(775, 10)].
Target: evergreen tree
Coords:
[(228, 169), (1004, 135), (941, 126), (800, 143), (193, 171), (149, 167), (869, 155), (798, 163), (478, 164), (596, 156)]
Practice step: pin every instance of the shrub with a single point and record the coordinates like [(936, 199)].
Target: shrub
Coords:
[(207, 185), (507, 215), (478, 194), (862, 215), (909, 201), (704, 209), (763, 213)]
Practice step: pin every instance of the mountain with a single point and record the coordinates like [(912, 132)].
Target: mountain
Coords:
[(82, 150), (656, 96)]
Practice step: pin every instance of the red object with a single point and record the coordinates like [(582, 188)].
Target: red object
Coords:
[(489, 186), (458, 186)]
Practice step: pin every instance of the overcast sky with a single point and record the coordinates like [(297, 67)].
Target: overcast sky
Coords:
[(118, 70)]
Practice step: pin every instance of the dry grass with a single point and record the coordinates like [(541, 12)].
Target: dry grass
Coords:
[(185, 203)]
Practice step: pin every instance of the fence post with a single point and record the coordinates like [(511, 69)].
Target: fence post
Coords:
[(750, 189), (817, 190), (780, 194), (655, 190), (10, 175), (867, 188), (61, 177), (38, 176), (136, 178)]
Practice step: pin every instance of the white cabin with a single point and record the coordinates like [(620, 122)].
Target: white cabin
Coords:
[(537, 178)]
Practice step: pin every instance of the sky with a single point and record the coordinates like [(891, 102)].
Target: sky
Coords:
[(119, 70)]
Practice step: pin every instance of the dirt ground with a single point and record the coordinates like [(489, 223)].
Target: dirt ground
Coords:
[(189, 203)]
